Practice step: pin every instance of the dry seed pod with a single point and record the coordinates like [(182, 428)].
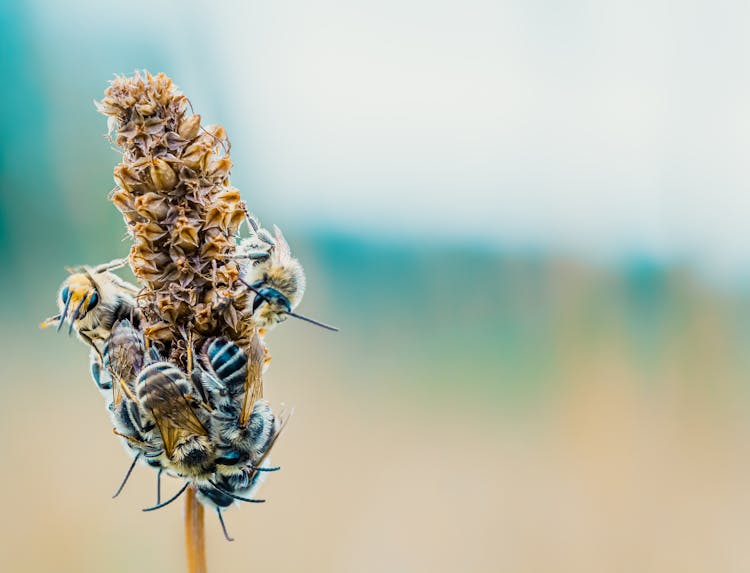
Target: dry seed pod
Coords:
[(148, 231), (126, 178), (125, 203), (152, 205), (163, 175), (220, 167), (190, 127), (184, 234)]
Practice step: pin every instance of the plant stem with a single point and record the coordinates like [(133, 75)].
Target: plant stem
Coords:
[(195, 541)]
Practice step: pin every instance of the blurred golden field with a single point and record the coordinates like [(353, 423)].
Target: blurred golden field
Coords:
[(588, 421)]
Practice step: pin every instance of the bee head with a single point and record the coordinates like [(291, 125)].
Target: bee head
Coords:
[(78, 296), (288, 279), (278, 292), (271, 305)]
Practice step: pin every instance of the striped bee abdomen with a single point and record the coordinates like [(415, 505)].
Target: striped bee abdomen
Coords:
[(228, 363), (160, 386)]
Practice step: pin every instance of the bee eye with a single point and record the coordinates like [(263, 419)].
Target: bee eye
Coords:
[(65, 295), (272, 296), (281, 300), (93, 301)]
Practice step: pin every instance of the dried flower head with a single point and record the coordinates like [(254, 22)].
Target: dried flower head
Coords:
[(173, 192)]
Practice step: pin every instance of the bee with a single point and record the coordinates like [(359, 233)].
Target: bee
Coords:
[(167, 403), (244, 429), (192, 444), (91, 301), (232, 378), (274, 275), (277, 279), (124, 356)]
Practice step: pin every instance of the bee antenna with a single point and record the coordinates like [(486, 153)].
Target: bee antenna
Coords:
[(74, 316), (127, 475), (63, 314), (315, 322), (235, 496), (223, 527), (170, 500), (252, 288)]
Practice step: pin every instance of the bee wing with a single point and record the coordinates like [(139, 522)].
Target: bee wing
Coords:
[(279, 423), (107, 356), (172, 431), (116, 392), (282, 252), (254, 378), (125, 350), (159, 389), (123, 357)]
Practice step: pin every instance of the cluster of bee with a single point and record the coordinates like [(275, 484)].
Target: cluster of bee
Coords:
[(202, 425)]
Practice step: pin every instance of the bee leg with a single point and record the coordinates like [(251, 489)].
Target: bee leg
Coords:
[(111, 265), (170, 500), (158, 486), (47, 322), (90, 342), (235, 496), (223, 527), (190, 351), (135, 441), (196, 377), (273, 469), (96, 374), (252, 224), (127, 475), (195, 402), (128, 391)]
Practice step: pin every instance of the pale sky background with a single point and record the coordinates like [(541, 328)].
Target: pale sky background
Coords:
[(606, 129)]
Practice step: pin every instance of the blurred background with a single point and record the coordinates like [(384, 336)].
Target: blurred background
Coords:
[(529, 220)]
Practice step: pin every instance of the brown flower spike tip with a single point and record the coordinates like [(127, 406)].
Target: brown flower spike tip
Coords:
[(174, 193)]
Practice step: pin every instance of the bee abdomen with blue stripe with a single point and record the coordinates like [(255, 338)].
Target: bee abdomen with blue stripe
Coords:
[(228, 363)]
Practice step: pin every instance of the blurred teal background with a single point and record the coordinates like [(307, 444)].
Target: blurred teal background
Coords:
[(529, 221)]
